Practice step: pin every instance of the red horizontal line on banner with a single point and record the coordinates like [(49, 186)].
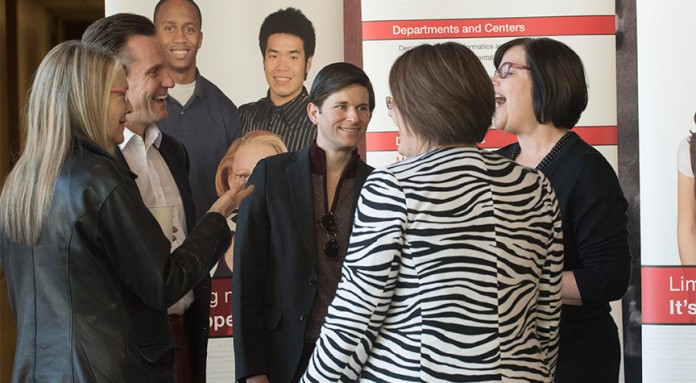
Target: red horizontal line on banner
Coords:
[(668, 295), (502, 27), (593, 135)]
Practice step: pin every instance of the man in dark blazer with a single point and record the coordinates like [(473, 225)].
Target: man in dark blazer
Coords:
[(292, 232), (161, 165)]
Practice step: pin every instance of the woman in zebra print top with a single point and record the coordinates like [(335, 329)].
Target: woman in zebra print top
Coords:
[(453, 272)]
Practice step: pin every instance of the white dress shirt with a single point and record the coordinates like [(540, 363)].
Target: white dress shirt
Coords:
[(157, 187)]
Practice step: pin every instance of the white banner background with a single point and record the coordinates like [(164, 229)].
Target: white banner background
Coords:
[(666, 106)]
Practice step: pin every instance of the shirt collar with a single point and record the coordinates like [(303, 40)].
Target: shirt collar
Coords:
[(152, 136), (198, 90), (267, 106), (317, 158)]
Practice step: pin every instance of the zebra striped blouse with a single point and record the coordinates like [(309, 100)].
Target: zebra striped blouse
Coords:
[(453, 274)]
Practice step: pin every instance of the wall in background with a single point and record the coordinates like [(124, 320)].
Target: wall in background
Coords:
[(230, 56)]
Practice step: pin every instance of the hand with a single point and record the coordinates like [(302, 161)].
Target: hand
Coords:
[(230, 201), (257, 379), (570, 292)]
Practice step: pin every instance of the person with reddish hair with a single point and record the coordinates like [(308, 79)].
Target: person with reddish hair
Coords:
[(235, 169)]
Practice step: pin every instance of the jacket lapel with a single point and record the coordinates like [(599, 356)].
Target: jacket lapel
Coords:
[(361, 175), (178, 166), (300, 180)]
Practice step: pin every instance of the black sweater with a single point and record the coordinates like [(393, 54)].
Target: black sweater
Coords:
[(595, 239)]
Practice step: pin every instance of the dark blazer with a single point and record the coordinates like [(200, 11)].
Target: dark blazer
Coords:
[(197, 316), (275, 268), (90, 297)]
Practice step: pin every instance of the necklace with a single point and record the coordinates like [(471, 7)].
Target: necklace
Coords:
[(549, 157)]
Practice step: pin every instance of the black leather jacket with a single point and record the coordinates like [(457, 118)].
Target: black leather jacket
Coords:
[(90, 297)]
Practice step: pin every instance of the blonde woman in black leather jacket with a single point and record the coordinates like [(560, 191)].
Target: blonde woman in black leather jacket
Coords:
[(89, 271)]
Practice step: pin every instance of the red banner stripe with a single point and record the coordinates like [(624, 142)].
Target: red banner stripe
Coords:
[(593, 135), (502, 27), (220, 308), (668, 295)]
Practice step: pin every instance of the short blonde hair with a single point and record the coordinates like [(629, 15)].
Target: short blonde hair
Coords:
[(256, 137), (68, 100)]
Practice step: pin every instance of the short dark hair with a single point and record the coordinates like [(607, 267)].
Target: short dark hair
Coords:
[(293, 22), (112, 33), (335, 77), (198, 10), (443, 93), (559, 89)]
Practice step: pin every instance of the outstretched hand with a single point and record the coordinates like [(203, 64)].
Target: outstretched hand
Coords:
[(230, 201)]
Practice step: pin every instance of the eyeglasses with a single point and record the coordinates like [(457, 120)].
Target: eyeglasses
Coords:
[(390, 102), (503, 70), (120, 92), (328, 223)]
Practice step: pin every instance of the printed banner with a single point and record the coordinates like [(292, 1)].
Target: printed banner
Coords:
[(467, 28), (391, 27), (594, 135), (221, 308), (667, 197), (220, 342), (669, 295)]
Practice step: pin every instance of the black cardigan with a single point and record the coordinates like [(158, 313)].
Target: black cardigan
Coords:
[(595, 239)]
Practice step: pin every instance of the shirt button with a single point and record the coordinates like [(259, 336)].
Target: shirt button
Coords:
[(303, 318), (312, 282)]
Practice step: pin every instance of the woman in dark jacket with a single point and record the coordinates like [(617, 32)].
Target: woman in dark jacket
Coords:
[(540, 93), (89, 271)]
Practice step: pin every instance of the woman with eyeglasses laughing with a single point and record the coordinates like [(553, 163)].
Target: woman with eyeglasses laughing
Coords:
[(541, 92)]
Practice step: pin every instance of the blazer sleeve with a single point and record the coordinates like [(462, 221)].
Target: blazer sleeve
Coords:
[(140, 254), (367, 283), (250, 263)]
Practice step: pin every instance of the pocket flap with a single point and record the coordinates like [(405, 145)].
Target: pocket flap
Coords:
[(272, 318), (154, 352)]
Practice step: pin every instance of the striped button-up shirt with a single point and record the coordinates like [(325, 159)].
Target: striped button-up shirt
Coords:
[(289, 121)]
